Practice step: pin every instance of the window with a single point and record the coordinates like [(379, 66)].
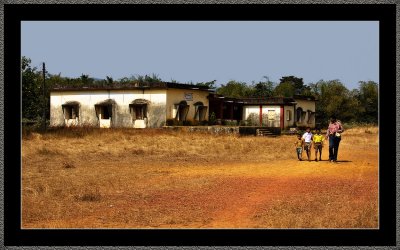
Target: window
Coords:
[(303, 116), (104, 111), (271, 115), (138, 111), (288, 115), (299, 112), (70, 110), (311, 116), (182, 110), (200, 111)]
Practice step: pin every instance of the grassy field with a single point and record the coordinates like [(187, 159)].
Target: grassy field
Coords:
[(112, 178)]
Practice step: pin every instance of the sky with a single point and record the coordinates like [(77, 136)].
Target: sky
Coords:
[(202, 51)]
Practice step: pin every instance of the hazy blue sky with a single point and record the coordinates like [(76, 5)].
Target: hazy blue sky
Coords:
[(200, 51)]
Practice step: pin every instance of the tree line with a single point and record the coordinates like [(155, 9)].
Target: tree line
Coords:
[(333, 98)]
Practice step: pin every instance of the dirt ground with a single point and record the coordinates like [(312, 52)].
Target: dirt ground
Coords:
[(168, 180)]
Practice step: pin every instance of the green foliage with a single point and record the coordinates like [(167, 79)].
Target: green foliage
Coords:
[(290, 86), (285, 89), (212, 119), (171, 122), (187, 123), (350, 106), (210, 84), (235, 89), (297, 83), (333, 98), (368, 99), (203, 123), (262, 89), (229, 122), (253, 120), (32, 88)]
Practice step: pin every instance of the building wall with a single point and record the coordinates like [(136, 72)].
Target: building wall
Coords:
[(175, 96), (288, 119), (121, 115), (270, 115), (306, 105)]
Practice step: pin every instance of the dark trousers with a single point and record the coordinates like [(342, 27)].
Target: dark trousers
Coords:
[(333, 147)]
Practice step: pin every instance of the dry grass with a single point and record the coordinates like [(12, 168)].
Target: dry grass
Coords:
[(114, 178)]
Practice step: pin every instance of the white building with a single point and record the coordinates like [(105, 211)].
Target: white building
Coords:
[(273, 112), (140, 106)]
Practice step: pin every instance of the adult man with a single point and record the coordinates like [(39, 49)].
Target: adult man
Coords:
[(333, 132)]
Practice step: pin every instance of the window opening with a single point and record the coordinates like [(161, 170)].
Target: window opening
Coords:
[(182, 110), (288, 115), (70, 110), (139, 111), (299, 112)]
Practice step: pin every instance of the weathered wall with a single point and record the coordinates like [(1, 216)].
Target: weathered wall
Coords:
[(306, 105), (121, 116), (177, 95), (253, 113), (288, 121)]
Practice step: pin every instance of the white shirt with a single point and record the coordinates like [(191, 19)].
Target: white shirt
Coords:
[(307, 136)]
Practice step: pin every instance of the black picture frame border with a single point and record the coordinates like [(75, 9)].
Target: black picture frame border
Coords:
[(384, 236)]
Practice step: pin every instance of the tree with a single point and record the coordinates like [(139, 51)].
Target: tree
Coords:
[(31, 90), (334, 99), (295, 81), (234, 89), (152, 78), (210, 84), (368, 99), (86, 80), (285, 89), (263, 89), (290, 86)]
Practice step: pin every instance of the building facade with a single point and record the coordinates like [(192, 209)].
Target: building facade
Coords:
[(274, 112), (142, 106), (148, 105)]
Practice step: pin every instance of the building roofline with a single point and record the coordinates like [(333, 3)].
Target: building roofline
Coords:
[(255, 101), (304, 97), (135, 86)]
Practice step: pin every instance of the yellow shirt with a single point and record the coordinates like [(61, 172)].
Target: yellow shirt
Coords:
[(318, 138)]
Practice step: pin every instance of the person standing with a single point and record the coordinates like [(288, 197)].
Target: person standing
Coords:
[(318, 140), (333, 133), (299, 147), (307, 137)]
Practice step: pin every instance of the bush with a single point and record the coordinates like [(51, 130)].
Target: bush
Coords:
[(229, 122), (242, 123), (203, 123), (171, 122), (187, 123), (213, 119)]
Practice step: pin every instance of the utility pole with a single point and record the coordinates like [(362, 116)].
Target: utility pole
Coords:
[(44, 97)]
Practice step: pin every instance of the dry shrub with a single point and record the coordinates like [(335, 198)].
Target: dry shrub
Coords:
[(44, 151), (68, 164), (361, 130), (89, 194)]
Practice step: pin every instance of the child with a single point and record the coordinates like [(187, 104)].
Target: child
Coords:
[(318, 140), (299, 147), (307, 137)]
